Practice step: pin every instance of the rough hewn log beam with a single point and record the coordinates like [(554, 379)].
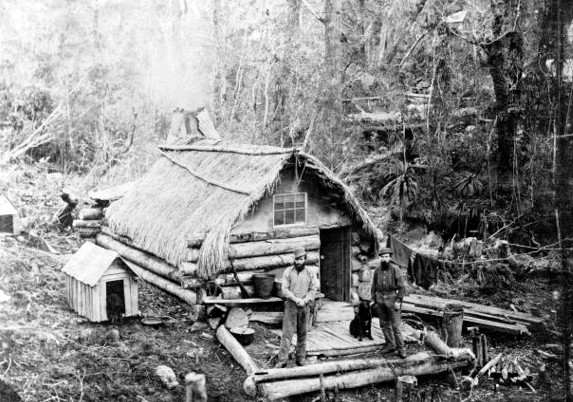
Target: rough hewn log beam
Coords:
[(419, 364), (236, 350), (147, 261)]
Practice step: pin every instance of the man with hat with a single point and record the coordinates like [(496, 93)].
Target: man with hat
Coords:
[(388, 292), (299, 286)]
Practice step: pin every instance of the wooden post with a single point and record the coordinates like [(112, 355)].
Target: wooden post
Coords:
[(322, 391), (477, 348), (195, 389), (405, 385), (452, 325), (484, 353)]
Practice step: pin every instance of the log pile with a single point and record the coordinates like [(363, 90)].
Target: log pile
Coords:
[(484, 317), (274, 384), (89, 223)]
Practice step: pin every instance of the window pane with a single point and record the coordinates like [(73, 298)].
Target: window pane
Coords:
[(300, 215), (279, 218), (289, 217), (300, 204), (289, 205), (279, 206), (300, 197), (290, 197)]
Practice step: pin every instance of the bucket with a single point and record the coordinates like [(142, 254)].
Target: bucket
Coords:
[(263, 285)]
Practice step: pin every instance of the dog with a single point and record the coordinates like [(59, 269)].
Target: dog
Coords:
[(361, 325)]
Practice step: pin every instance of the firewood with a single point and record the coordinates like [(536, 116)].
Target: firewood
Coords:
[(490, 364), (87, 232), (91, 214), (78, 223)]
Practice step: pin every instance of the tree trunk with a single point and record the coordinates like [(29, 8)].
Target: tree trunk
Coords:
[(564, 209), (505, 61)]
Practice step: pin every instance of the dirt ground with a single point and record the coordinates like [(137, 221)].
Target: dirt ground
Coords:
[(49, 353)]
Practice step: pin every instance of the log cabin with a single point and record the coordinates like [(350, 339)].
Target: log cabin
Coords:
[(100, 285), (209, 215)]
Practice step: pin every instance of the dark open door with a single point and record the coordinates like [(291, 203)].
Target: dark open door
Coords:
[(115, 300), (335, 247)]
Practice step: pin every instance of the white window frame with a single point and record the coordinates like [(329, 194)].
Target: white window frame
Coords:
[(295, 223)]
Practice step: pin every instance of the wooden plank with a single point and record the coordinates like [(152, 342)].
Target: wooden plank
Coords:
[(215, 300), (440, 303), (134, 296), (103, 301), (89, 309), (127, 297), (96, 303), (79, 298), (516, 329)]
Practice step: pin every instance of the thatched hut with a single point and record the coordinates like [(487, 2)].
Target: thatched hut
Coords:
[(206, 205)]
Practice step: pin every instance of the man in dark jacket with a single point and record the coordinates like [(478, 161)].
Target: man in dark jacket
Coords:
[(388, 292)]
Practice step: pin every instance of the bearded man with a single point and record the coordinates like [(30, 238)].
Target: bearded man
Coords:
[(388, 292), (299, 286)]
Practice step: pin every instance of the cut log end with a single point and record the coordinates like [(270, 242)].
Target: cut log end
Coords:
[(250, 387)]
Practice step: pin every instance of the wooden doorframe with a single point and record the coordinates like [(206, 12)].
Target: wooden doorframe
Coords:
[(335, 264)]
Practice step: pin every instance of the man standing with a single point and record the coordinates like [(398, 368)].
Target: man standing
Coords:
[(388, 292), (299, 286)]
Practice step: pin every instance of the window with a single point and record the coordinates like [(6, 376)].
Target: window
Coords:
[(289, 209)]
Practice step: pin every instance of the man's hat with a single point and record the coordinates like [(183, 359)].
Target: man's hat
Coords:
[(385, 250), (299, 252)]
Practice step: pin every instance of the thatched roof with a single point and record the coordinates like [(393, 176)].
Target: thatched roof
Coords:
[(205, 189)]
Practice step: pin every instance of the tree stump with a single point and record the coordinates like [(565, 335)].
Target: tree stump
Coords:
[(195, 389), (452, 322), (405, 386)]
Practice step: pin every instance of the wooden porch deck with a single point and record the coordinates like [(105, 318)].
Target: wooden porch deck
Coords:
[(330, 336)]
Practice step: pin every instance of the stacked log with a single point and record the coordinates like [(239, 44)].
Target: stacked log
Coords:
[(151, 263), (273, 384), (89, 223)]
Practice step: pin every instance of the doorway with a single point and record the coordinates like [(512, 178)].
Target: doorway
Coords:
[(115, 300), (335, 252)]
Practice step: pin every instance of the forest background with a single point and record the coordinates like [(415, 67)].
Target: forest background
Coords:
[(454, 115)]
